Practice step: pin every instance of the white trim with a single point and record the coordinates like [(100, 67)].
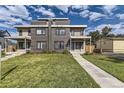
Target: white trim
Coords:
[(80, 37), (18, 37), (53, 18), (27, 26)]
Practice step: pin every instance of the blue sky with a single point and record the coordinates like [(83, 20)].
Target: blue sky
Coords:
[(95, 16)]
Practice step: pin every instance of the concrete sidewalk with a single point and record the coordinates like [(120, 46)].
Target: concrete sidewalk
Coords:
[(102, 78), (13, 54)]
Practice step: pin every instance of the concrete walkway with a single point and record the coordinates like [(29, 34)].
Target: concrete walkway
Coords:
[(12, 54), (102, 78)]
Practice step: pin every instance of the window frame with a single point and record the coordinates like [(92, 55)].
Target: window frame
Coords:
[(20, 32), (41, 45), (59, 32), (42, 31), (60, 45)]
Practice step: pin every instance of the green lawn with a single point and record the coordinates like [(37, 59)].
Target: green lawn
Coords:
[(111, 65), (44, 70)]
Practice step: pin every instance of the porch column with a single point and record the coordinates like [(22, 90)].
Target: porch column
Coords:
[(84, 45), (90, 45), (25, 43), (5, 46)]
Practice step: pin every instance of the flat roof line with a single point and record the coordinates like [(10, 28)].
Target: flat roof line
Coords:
[(26, 26), (52, 18)]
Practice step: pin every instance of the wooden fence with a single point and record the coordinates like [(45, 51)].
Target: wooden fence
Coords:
[(87, 48)]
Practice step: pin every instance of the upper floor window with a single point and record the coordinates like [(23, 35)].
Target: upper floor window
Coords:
[(41, 31), (29, 32), (20, 32), (72, 33), (76, 33), (60, 32), (82, 33)]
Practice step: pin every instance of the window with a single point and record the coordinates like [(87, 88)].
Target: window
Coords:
[(29, 32), (60, 32), (41, 31), (20, 32), (59, 44), (72, 33), (41, 44), (82, 33)]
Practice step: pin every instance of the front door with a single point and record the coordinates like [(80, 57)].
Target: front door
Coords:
[(77, 45), (21, 45)]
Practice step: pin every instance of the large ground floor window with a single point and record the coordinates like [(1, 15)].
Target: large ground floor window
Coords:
[(41, 44), (59, 44), (22, 45)]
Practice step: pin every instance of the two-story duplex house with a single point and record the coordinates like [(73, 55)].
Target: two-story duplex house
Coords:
[(51, 34)]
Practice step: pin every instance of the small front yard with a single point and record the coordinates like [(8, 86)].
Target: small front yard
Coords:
[(44, 70), (111, 65)]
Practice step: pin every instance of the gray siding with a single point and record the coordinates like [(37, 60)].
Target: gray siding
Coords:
[(55, 22), (35, 38), (53, 37)]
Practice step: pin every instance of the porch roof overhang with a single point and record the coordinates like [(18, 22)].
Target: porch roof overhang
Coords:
[(80, 37), (18, 37)]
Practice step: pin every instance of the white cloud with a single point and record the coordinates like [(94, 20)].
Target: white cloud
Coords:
[(120, 16), (80, 7), (116, 28), (109, 8), (95, 16), (45, 12), (64, 8), (18, 10), (4, 25), (8, 13), (13, 33), (84, 13)]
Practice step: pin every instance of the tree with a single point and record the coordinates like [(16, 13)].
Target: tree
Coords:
[(120, 35), (106, 31), (95, 36)]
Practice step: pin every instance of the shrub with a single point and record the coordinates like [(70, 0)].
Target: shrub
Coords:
[(96, 51), (65, 51), (87, 53)]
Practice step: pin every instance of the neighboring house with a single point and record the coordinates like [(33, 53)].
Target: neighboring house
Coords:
[(2, 39), (51, 34), (115, 45)]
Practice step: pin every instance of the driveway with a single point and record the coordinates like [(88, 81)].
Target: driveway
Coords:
[(115, 55)]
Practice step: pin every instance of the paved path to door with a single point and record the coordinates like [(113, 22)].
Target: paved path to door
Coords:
[(13, 54), (102, 78)]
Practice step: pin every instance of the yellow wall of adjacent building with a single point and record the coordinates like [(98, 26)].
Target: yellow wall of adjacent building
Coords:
[(118, 46)]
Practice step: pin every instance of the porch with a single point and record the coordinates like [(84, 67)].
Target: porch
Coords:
[(23, 43), (78, 43)]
